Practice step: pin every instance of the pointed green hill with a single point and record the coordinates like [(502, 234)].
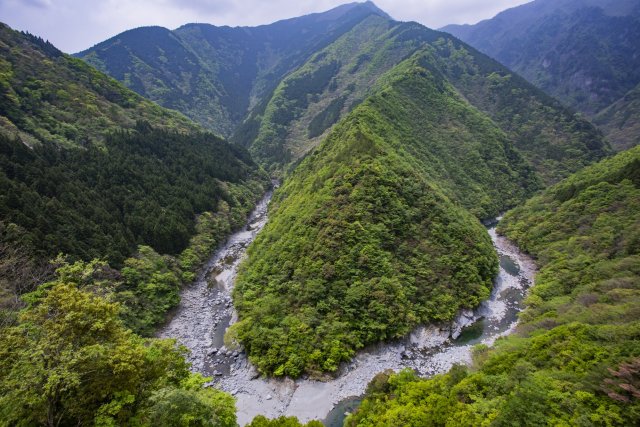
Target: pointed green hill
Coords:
[(372, 233)]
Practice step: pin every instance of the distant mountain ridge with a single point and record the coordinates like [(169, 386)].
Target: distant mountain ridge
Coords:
[(584, 52), (212, 74)]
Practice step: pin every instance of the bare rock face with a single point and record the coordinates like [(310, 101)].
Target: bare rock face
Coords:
[(465, 318)]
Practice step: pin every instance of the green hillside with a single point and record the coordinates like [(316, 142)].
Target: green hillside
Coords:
[(214, 75), (372, 233), (309, 101), (91, 170), (278, 89), (574, 358), (47, 97), (621, 120)]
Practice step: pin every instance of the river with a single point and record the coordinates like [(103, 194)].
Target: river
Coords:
[(206, 311)]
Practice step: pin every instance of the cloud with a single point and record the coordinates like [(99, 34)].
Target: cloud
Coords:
[(74, 25)]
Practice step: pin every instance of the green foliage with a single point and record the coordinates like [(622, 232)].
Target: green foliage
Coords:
[(313, 98), (325, 119), (214, 75), (369, 236), (261, 421), (82, 173), (71, 361), (621, 120), (574, 359), (145, 186), (553, 139), (47, 97)]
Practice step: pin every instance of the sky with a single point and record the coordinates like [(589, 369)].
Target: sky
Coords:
[(75, 25)]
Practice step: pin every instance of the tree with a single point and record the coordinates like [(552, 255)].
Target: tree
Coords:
[(71, 361)]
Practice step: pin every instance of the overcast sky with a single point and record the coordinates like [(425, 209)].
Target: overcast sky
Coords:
[(74, 25)]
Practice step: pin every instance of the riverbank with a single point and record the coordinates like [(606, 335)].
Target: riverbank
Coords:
[(206, 312)]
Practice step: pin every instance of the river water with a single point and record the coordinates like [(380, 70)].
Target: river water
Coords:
[(206, 311)]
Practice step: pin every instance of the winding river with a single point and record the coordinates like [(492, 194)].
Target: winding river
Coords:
[(206, 311)]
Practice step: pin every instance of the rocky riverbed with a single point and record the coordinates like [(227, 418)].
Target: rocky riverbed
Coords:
[(206, 311)]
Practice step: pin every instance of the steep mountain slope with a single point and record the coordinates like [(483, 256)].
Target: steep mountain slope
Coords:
[(372, 233), (48, 97), (309, 101), (574, 359), (305, 105), (585, 53), (92, 170), (89, 168), (621, 120), (280, 88), (215, 74)]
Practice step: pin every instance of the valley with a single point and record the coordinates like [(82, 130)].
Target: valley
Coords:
[(205, 313), (338, 216)]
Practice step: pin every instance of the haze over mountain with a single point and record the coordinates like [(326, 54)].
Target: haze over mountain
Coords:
[(585, 53)]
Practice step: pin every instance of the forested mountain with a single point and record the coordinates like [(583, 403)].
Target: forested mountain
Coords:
[(584, 52), (371, 234), (305, 105), (574, 358), (621, 120), (92, 170), (212, 74), (51, 98), (428, 133), (392, 141)]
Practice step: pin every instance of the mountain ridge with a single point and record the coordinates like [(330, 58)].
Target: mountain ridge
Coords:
[(585, 53), (215, 83)]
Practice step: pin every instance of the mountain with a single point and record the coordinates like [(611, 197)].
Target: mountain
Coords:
[(621, 120), (429, 136), (303, 108), (212, 74), (585, 53), (574, 357), (342, 105), (91, 170), (319, 68), (48, 97), (373, 233)]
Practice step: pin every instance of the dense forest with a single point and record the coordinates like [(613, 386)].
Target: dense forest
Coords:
[(372, 233), (309, 101), (574, 358), (128, 200), (87, 175), (393, 143), (69, 360), (143, 186)]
